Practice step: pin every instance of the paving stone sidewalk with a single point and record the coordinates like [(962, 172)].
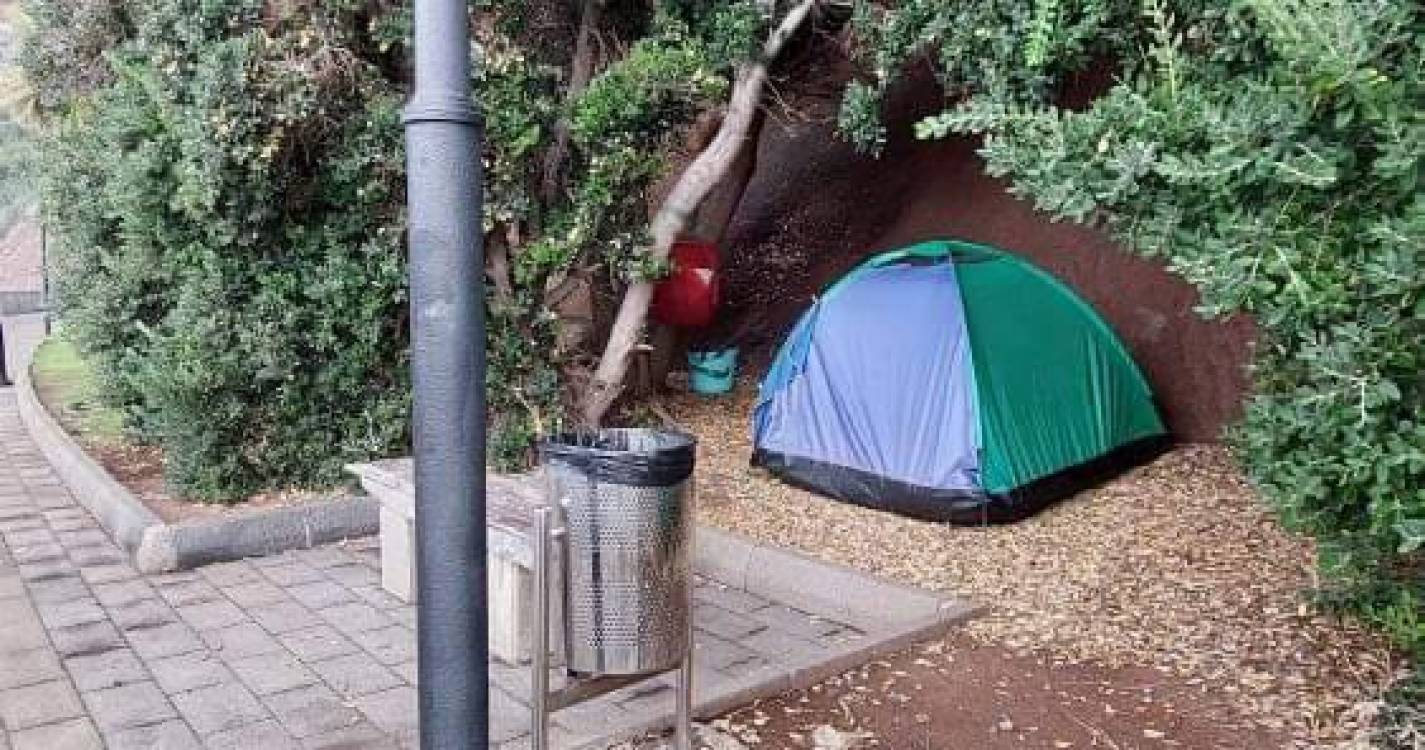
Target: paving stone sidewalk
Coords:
[(300, 650)]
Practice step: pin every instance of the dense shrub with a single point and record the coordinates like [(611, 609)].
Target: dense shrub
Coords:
[(226, 178), (17, 118), (1271, 153), (226, 181), (17, 171)]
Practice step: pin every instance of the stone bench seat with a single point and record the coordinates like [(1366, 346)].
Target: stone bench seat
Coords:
[(510, 505)]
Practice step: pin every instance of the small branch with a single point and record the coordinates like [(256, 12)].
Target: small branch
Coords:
[(1094, 732), (662, 413), (564, 287), (534, 412)]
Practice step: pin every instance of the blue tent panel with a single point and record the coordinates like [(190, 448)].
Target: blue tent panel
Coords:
[(877, 378)]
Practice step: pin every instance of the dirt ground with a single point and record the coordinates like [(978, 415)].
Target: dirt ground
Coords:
[(66, 393), (139, 468), (1172, 575), (962, 693)]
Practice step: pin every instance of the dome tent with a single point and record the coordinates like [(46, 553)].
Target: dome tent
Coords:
[(952, 381)]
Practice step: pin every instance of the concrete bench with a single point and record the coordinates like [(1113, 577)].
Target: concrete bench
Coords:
[(511, 501)]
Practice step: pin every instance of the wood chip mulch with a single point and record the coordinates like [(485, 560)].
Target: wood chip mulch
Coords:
[(1173, 566)]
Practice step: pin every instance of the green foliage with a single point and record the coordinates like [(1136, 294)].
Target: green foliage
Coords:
[(521, 105), (231, 243), (622, 128), (226, 178), (730, 31), (1270, 152), (660, 83), (1017, 50), (17, 173), (860, 117), (64, 48)]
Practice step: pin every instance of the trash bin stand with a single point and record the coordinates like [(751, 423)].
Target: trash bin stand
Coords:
[(543, 702)]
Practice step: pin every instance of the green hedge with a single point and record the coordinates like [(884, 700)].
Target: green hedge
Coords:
[(225, 182), (226, 187), (1271, 153)]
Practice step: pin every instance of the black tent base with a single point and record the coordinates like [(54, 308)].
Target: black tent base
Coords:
[(961, 507)]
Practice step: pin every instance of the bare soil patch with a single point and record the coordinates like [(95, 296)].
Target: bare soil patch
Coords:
[(140, 469), (963, 693), (64, 385), (1173, 568)]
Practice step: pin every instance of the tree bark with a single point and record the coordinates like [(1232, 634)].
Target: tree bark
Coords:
[(581, 71), (497, 262), (706, 171), (715, 214), (710, 225)]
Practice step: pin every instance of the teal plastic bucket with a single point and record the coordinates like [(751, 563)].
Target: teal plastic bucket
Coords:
[(712, 372)]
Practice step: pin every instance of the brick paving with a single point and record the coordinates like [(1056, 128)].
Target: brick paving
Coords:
[(298, 650)]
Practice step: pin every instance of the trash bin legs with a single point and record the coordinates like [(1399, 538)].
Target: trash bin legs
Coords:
[(543, 702), (539, 644), (683, 720)]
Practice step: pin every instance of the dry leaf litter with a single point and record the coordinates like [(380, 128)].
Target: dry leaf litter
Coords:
[(1173, 566)]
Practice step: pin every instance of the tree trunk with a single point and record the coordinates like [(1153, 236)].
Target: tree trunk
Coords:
[(715, 213), (706, 171), (710, 225), (580, 73)]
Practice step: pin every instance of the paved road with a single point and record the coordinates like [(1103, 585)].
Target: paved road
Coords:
[(299, 650)]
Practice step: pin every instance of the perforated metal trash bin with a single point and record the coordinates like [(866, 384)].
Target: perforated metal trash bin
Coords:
[(627, 504)]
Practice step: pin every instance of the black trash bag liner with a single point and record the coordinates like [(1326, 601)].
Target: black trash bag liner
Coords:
[(638, 457)]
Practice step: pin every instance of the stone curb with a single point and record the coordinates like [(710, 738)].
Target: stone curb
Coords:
[(903, 615), (783, 575), (159, 547), (116, 509)]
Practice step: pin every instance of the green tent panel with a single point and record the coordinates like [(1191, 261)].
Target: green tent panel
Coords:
[(1040, 353)]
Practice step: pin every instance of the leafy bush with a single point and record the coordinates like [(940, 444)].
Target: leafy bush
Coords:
[(17, 171), (1270, 152), (226, 181), (623, 127), (229, 205), (1401, 723)]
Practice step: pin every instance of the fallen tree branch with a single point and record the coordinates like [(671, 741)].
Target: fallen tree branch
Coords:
[(692, 187)]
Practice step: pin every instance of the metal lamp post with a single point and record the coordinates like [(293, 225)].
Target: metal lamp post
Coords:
[(44, 277), (4, 373), (448, 373)]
